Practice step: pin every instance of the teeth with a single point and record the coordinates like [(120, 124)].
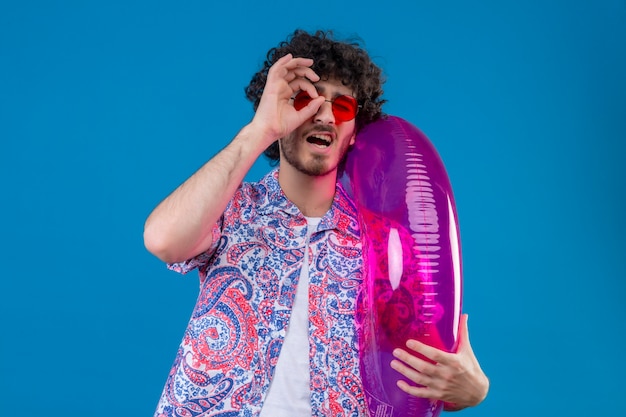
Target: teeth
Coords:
[(322, 138)]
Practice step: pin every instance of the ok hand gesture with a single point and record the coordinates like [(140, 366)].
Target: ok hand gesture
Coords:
[(276, 115)]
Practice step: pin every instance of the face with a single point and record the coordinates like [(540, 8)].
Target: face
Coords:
[(318, 146)]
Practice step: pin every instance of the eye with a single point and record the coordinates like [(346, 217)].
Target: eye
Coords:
[(301, 100), (343, 104), (344, 108)]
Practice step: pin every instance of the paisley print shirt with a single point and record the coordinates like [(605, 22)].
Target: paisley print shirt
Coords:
[(248, 280)]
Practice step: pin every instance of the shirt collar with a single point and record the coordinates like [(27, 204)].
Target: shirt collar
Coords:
[(341, 216)]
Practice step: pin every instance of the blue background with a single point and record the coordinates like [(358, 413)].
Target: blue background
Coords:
[(105, 107)]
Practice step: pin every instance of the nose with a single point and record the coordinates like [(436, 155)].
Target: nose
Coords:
[(325, 113)]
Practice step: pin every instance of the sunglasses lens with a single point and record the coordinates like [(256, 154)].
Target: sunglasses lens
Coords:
[(301, 100), (344, 108)]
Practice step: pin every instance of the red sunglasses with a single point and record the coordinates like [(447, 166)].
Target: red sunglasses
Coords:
[(344, 107)]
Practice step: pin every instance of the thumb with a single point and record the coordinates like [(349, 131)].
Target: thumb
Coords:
[(464, 342), (313, 106)]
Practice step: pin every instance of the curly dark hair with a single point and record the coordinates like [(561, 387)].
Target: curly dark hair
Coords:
[(345, 61)]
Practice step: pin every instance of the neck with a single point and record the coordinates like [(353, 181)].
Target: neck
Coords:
[(313, 195)]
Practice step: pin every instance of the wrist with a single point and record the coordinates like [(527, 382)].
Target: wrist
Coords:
[(474, 400), (263, 132)]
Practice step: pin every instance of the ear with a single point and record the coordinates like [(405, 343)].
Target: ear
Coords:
[(353, 138)]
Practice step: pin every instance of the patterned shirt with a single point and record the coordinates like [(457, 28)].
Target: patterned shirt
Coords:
[(248, 279)]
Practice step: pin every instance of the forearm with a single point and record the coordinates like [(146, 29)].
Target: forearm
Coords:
[(180, 226)]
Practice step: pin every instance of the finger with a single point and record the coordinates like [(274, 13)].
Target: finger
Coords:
[(434, 354), (301, 67), (420, 391), (410, 373), (302, 84), (283, 64), (306, 72), (290, 76), (463, 330), (465, 347), (288, 63), (311, 109), (415, 362), (291, 63)]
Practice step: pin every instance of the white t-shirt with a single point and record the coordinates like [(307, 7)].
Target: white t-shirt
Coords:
[(289, 392)]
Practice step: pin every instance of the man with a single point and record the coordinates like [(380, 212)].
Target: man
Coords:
[(273, 330)]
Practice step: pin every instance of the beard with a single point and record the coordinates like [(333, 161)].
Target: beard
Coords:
[(315, 164)]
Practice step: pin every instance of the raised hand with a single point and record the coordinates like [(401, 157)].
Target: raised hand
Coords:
[(276, 115)]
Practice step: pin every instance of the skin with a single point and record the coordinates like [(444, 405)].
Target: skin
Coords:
[(455, 378), (312, 159), (308, 172), (179, 228)]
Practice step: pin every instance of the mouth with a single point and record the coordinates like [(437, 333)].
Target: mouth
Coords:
[(321, 140)]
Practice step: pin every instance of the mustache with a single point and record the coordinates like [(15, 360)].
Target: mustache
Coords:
[(320, 129)]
